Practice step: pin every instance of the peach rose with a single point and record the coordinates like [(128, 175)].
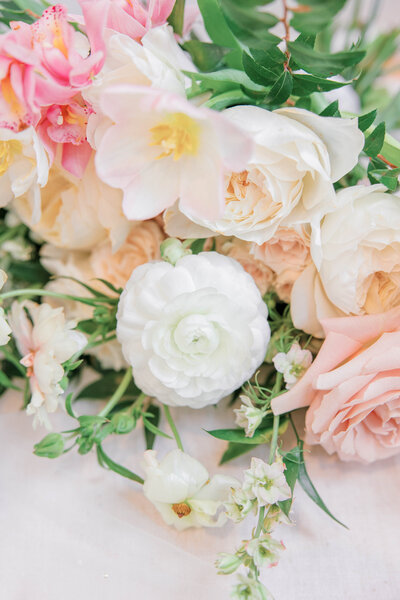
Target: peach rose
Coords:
[(353, 388), (241, 251), (287, 253)]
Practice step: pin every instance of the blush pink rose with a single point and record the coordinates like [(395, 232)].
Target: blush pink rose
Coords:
[(353, 388)]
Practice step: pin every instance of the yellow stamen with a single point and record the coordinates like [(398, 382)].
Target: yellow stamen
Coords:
[(8, 150), (178, 134), (181, 509)]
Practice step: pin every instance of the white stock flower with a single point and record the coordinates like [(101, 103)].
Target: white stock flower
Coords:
[(250, 589), (193, 332), (248, 416), (45, 341), (266, 483), (240, 503), (5, 329), (264, 551), (289, 179), (24, 167), (180, 488), (292, 364)]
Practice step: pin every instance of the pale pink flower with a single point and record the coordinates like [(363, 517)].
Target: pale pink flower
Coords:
[(352, 388), (161, 148), (45, 340)]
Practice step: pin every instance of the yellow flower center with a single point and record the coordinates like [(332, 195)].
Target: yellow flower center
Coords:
[(177, 135), (181, 509), (8, 150)]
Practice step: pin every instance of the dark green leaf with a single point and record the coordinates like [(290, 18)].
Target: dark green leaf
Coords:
[(365, 121), (153, 429), (31, 272), (7, 383), (105, 387), (310, 490), (216, 25), (198, 245), (154, 417), (374, 142), (317, 17), (106, 462), (292, 461), (320, 63), (303, 85), (206, 57), (234, 450), (257, 73), (332, 110), (281, 89)]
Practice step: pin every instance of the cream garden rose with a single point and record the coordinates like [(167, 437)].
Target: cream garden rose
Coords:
[(193, 332), (288, 180), (76, 213)]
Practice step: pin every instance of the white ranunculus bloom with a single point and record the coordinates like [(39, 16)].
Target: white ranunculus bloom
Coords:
[(77, 213), (45, 341), (5, 329), (24, 167), (358, 255), (288, 180), (194, 332), (182, 491)]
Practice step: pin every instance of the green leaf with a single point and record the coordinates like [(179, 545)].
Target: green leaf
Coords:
[(261, 75), (247, 18), (318, 16), (365, 121), (106, 462), (105, 387), (374, 141), (154, 417), (175, 19), (332, 110), (198, 245), (216, 25), (31, 272), (303, 85), (206, 56), (153, 429), (51, 446), (310, 490), (221, 80), (388, 177), (292, 461), (7, 383), (391, 150), (68, 406), (262, 435), (281, 89), (321, 63), (234, 450), (226, 99)]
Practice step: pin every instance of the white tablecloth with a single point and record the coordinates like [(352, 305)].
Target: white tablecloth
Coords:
[(70, 529)]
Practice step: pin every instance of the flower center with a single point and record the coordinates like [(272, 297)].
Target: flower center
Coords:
[(8, 150), (195, 334), (383, 292), (177, 135), (181, 509)]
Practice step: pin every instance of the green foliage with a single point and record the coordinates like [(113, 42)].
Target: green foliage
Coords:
[(106, 462), (374, 141), (321, 63), (176, 17), (316, 15), (153, 416), (292, 460), (105, 386), (51, 446)]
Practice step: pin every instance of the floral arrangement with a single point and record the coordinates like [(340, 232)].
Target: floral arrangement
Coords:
[(186, 212)]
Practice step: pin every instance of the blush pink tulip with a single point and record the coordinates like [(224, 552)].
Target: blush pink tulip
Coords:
[(353, 388)]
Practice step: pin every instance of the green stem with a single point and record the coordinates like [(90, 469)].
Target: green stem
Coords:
[(260, 522), (274, 440), (37, 292), (117, 395), (173, 427)]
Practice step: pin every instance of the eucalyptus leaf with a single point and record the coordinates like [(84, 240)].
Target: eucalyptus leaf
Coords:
[(321, 63)]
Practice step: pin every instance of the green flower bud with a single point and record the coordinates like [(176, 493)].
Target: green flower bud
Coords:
[(227, 563), (51, 446), (172, 250), (123, 423)]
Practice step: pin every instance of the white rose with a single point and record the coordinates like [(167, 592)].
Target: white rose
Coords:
[(182, 491), (24, 167), (194, 332), (77, 213), (288, 181), (359, 251)]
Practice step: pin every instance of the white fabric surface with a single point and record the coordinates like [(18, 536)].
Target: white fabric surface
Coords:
[(73, 530)]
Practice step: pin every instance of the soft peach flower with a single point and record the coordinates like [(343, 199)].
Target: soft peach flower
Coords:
[(242, 252), (77, 213), (352, 388)]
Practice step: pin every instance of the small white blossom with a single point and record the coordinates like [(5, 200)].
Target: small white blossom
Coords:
[(250, 589), (292, 364), (180, 488), (18, 249), (248, 416), (266, 483), (227, 563), (240, 504), (264, 551), (45, 341)]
